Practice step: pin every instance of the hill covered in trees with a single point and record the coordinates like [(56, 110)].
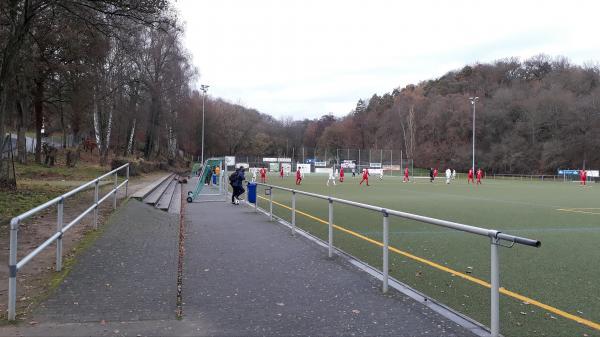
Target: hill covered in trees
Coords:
[(532, 117)]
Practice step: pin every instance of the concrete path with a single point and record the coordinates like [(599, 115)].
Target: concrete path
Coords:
[(243, 275)]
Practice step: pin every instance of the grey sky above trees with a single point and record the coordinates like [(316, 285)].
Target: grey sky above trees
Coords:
[(308, 58)]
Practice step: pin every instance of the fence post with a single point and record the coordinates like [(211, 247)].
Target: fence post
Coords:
[(127, 182), (293, 212), (330, 229), (495, 289), (386, 235), (12, 278), (271, 203), (115, 190), (96, 203), (59, 227)]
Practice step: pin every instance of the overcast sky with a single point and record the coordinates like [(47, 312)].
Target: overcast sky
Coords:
[(308, 58)]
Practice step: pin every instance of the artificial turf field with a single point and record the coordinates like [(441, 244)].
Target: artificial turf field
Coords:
[(563, 273)]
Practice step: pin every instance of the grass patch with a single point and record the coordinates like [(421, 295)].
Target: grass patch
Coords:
[(83, 171), (28, 196)]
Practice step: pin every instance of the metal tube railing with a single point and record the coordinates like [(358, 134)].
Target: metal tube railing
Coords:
[(495, 240), (14, 266)]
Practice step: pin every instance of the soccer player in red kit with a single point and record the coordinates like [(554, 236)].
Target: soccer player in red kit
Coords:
[(263, 175), (405, 179), (470, 176), (479, 175), (281, 172), (341, 175), (582, 177), (298, 176), (435, 173), (365, 177)]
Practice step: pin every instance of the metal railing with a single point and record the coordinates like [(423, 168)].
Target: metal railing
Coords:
[(14, 265), (495, 239)]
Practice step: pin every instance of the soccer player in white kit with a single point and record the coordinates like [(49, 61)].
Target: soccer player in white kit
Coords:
[(254, 175), (448, 175), (331, 176), (381, 175)]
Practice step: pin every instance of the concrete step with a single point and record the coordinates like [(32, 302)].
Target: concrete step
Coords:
[(155, 195), (165, 200), (175, 207), (145, 191)]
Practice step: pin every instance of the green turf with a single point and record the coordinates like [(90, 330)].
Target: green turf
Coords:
[(562, 273)]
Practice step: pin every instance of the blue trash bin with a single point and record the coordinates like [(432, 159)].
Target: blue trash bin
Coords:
[(252, 193), (214, 177)]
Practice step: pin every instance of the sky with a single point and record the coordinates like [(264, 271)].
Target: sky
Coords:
[(305, 59)]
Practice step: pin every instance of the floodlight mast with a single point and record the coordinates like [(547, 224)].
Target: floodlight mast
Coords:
[(203, 88), (473, 101)]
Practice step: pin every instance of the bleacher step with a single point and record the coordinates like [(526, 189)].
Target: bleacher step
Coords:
[(148, 189), (155, 195), (175, 207), (165, 200)]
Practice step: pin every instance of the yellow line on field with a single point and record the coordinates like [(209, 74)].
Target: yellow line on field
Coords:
[(452, 271), (579, 210)]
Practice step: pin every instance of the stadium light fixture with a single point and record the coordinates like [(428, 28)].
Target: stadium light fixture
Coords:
[(203, 88), (473, 101)]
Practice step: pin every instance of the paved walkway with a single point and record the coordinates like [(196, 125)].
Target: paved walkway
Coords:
[(243, 275)]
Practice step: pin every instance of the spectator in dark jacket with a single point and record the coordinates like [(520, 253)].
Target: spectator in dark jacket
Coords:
[(237, 185)]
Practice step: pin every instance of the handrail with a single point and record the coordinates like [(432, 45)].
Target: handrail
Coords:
[(495, 237), (14, 265)]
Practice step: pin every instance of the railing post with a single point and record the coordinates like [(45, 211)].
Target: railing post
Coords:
[(96, 203), (127, 182), (330, 229), (59, 226), (271, 203), (293, 212), (12, 278), (115, 190), (386, 235), (495, 289)]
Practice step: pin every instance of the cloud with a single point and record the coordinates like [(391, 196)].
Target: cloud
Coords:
[(310, 58)]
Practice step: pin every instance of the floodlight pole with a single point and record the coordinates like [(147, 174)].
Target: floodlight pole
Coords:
[(473, 101), (204, 88)]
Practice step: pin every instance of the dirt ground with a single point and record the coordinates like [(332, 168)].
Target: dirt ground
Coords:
[(38, 277)]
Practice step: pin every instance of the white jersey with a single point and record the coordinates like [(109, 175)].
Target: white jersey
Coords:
[(253, 175), (331, 177)]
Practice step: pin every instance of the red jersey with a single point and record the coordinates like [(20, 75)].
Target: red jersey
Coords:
[(341, 172), (406, 172), (263, 172), (365, 174), (479, 174), (470, 173), (435, 173), (298, 174), (281, 172)]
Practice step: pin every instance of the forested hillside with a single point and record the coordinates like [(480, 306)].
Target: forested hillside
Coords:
[(532, 117)]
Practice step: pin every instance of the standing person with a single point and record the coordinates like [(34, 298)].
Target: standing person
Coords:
[(453, 174), (431, 177), (582, 177), (435, 172), (218, 174), (254, 174), (479, 175), (448, 175), (331, 177), (365, 176), (341, 175), (263, 175), (298, 176), (208, 176), (470, 176), (234, 186), (405, 179), (381, 174), (281, 172), (238, 188), (353, 173)]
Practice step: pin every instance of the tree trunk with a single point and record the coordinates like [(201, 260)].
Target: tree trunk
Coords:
[(38, 107), (21, 138)]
